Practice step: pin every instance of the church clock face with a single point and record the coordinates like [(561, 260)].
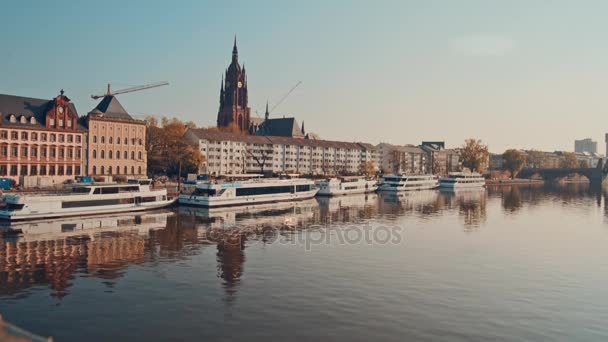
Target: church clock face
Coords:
[(240, 85)]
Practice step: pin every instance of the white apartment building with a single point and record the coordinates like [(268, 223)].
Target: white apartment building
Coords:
[(402, 159), (230, 153)]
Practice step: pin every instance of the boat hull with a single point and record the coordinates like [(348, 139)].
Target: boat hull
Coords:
[(461, 185), (114, 209), (341, 192), (213, 202), (411, 188)]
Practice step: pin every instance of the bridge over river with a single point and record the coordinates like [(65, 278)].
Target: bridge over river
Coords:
[(596, 175)]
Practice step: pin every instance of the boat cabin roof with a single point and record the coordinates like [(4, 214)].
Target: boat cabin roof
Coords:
[(243, 175), (102, 185)]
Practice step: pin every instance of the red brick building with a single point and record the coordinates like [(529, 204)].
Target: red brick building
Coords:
[(41, 140)]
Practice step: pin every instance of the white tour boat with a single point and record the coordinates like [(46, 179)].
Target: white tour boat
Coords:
[(460, 180), (408, 182), (84, 199), (345, 186), (249, 189)]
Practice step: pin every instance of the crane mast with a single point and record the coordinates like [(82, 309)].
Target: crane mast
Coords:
[(285, 96)]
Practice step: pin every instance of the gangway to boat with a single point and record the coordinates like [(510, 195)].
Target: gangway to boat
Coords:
[(12, 333)]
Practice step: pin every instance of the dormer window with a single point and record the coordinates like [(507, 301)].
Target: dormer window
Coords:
[(70, 123), (33, 120), (23, 119), (52, 122), (61, 123), (13, 118)]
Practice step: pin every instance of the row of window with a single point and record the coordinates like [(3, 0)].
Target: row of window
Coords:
[(102, 155), (53, 152), (42, 170), (116, 171), (34, 136), (60, 123), (102, 139), (118, 128)]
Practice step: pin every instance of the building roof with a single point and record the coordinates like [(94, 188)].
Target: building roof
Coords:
[(110, 108), (401, 148), (27, 107), (214, 135), (283, 127)]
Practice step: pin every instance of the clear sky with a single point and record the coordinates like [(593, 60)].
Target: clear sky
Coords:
[(524, 74)]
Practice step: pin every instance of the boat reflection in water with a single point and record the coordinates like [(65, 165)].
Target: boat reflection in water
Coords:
[(279, 215), (56, 253), (40, 252), (471, 204)]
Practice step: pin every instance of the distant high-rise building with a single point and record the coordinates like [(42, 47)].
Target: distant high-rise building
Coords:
[(585, 145)]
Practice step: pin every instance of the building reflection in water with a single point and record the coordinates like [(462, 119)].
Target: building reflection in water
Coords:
[(52, 252), (471, 204)]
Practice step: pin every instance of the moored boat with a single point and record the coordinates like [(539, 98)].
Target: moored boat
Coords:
[(251, 190), (408, 182), (460, 180), (84, 199), (345, 186)]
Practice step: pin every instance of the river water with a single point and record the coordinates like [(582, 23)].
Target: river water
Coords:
[(504, 264)]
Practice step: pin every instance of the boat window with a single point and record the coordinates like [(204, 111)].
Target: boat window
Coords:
[(149, 199), (265, 190), (81, 190), (204, 192), (12, 207), (94, 203), (109, 190), (128, 188), (68, 227), (308, 187)]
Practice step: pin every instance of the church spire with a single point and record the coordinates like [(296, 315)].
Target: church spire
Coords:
[(235, 51), (303, 131), (267, 114)]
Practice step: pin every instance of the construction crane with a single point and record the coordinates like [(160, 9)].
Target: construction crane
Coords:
[(130, 90), (285, 96)]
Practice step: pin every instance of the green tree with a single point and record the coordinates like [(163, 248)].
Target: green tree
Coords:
[(474, 155), (513, 161), (569, 161)]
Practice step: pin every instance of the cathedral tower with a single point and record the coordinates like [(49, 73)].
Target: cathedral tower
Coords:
[(234, 112)]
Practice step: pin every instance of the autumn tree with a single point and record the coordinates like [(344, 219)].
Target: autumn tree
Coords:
[(369, 169), (536, 159), (569, 161), (474, 155), (168, 148), (513, 161)]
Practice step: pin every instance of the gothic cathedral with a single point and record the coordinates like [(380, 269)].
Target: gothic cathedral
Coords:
[(234, 112)]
